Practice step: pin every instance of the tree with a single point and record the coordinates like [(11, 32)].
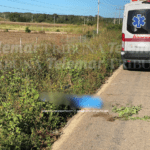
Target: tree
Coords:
[(14, 17), (41, 18)]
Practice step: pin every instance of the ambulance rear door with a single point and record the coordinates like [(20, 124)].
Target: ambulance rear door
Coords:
[(137, 27)]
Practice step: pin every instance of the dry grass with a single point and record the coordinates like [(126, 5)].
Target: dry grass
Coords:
[(74, 29)]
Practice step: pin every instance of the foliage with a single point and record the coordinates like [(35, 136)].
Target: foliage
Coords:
[(57, 30), (67, 19), (89, 34), (114, 27), (27, 30), (127, 112), (22, 123), (23, 19), (14, 17), (41, 18), (90, 23)]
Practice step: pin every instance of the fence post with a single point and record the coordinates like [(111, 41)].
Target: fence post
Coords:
[(67, 38), (80, 39), (36, 40), (20, 46), (20, 42)]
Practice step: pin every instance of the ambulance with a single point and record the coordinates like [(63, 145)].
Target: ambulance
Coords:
[(136, 34)]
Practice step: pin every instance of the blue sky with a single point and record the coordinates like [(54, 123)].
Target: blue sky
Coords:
[(66, 7)]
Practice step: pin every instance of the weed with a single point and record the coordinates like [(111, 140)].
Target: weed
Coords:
[(127, 112)]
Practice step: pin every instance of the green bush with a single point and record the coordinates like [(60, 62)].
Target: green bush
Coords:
[(23, 125), (57, 30), (89, 34), (114, 27), (27, 30), (90, 23)]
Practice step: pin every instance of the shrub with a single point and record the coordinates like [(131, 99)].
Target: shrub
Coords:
[(89, 34), (90, 23), (57, 30), (6, 30), (23, 125), (27, 30), (114, 27)]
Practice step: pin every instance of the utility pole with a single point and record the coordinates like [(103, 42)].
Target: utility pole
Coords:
[(115, 19), (98, 17), (84, 21), (119, 13), (54, 21), (32, 18)]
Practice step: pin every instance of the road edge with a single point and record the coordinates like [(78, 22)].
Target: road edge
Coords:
[(75, 120)]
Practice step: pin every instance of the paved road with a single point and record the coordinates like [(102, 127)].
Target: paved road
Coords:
[(96, 133)]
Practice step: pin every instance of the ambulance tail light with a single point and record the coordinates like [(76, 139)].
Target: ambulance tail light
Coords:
[(123, 41)]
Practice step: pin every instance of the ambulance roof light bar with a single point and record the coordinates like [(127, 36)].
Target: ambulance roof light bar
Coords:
[(139, 1)]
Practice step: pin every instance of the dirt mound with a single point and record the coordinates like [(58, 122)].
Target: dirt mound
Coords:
[(104, 115)]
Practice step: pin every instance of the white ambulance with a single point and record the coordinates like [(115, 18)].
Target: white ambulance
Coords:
[(136, 34)]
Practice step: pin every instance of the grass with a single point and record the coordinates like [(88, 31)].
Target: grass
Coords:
[(22, 123), (74, 29)]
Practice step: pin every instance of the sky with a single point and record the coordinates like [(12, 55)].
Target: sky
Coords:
[(107, 8)]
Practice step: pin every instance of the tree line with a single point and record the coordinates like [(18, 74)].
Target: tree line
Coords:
[(66, 19)]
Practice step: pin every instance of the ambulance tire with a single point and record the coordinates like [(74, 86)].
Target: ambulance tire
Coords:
[(125, 66)]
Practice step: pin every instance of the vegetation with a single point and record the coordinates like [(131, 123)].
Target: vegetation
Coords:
[(57, 30), (6, 30), (67, 19), (114, 27), (75, 29), (27, 30), (82, 69), (126, 113)]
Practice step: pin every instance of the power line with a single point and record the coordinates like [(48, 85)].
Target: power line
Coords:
[(28, 4), (41, 6), (53, 4), (109, 4), (18, 8), (31, 10)]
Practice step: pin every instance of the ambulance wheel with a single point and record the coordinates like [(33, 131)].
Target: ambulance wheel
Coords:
[(125, 66)]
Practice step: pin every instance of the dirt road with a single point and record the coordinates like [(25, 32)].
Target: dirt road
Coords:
[(28, 38), (91, 131)]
